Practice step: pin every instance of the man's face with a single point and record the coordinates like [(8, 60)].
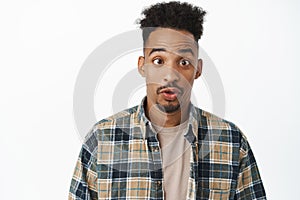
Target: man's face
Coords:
[(170, 65)]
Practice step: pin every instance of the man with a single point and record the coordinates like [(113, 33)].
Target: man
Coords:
[(166, 148)]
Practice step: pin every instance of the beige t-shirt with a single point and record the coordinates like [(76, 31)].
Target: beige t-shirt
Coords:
[(175, 151)]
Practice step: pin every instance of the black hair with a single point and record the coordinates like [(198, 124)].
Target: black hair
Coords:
[(175, 15)]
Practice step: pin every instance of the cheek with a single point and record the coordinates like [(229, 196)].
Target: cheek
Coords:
[(154, 76), (189, 77), (151, 91)]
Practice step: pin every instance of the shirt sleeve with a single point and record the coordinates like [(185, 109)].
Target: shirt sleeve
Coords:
[(84, 180), (249, 184)]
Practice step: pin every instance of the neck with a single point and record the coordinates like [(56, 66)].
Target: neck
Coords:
[(163, 119)]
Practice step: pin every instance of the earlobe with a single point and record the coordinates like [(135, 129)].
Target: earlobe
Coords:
[(199, 69), (141, 62)]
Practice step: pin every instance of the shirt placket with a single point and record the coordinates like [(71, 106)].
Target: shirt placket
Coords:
[(192, 187), (155, 164)]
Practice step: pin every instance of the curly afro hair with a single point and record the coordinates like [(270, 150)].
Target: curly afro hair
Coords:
[(175, 15)]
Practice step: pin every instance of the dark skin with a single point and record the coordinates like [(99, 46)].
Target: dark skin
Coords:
[(170, 65)]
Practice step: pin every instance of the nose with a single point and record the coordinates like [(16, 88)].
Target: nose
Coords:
[(170, 75)]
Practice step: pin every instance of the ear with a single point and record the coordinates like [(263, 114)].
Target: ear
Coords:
[(199, 69), (141, 62)]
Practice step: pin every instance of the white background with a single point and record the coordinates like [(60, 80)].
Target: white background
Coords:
[(253, 44)]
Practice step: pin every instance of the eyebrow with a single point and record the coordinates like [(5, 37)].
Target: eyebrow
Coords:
[(156, 49), (188, 50)]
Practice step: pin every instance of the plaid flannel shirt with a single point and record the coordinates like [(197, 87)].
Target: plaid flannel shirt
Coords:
[(121, 159)]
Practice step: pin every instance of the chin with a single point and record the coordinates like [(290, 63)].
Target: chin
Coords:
[(169, 108)]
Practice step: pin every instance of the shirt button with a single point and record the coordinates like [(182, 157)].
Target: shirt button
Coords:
[(155, 149), (158, 183)]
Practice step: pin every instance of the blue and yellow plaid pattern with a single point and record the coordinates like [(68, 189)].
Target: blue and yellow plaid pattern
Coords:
[(120, 159)]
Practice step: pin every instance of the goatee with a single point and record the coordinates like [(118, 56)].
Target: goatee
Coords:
[(168, 108)]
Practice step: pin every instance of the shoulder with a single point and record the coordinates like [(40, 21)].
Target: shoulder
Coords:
[(218, 125), (108, 126), (122, 115), (209, 120)]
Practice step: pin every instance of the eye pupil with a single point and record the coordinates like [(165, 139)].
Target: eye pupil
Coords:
[(184, 62), (158, 61)]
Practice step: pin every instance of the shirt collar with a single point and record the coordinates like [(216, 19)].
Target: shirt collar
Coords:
[(192, 133)]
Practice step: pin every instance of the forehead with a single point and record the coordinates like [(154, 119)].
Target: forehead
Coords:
[(171, 40)]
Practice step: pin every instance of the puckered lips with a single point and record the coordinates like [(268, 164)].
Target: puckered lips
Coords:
[(169, 93)]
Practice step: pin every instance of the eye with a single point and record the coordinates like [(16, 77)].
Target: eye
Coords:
[(184, 62), (158, 61)]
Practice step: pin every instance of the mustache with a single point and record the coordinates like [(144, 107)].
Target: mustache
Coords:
[(169, 86)]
